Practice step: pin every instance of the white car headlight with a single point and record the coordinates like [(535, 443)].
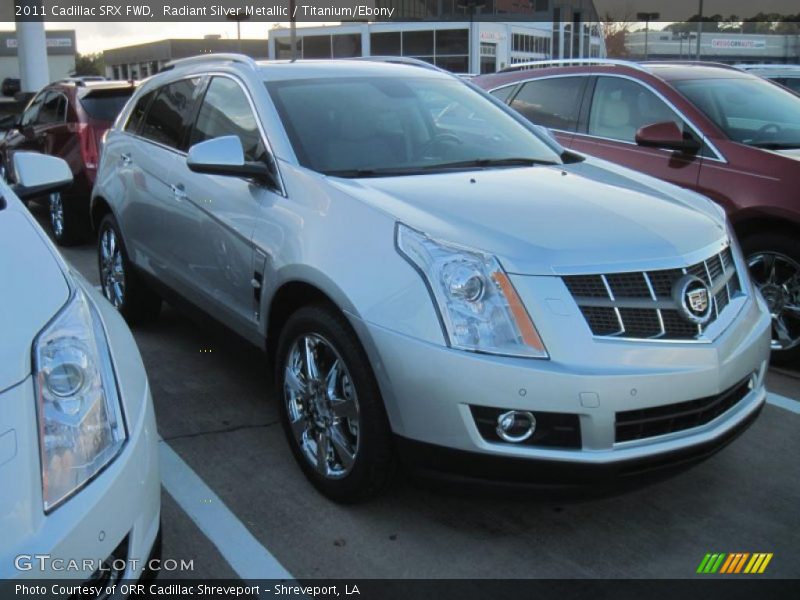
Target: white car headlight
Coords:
[(479, 307), (81, 426)]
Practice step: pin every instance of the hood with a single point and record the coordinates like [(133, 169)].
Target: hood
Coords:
[(34, 290), (791, 153), (547, 220)]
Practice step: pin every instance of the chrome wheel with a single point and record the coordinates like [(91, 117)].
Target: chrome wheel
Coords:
[(777, 277), (112, 269), (57, 214), (322, 405)]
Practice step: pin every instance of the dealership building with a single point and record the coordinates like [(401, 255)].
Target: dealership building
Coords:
[(60, 54), (143, 60), (461, 47), (714, 46)]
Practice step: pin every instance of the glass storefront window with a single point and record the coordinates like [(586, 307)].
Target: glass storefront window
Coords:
[(418, 43), (347, 45), (317, 46), (385, 44), (452, 41)]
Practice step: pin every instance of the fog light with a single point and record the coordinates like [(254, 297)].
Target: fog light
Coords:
[(516, 425)]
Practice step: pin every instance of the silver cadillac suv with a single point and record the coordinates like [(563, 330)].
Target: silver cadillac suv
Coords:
[(436, 281)]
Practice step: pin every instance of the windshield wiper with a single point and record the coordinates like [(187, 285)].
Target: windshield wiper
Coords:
[(485, 163), (482, 163), (365, 173), (776, 145)]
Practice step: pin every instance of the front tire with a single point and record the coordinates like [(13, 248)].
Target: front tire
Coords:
[(774, 263), (119, 281), (331, 408), (70, 226)]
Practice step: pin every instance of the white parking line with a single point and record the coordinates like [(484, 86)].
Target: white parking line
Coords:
[(244, 553), (784, 402)]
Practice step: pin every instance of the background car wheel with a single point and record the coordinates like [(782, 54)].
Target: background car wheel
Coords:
[(331, 408), (774, 262), (121, 284), (70, 226)]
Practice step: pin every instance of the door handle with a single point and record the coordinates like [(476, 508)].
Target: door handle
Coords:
[(179, 191), (126, 158)]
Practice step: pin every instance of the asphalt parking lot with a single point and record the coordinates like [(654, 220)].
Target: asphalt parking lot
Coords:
[(216, 409)]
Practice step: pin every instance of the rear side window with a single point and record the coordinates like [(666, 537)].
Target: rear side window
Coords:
[(169, 115), (105, 105), (137, 114), (54, 109), (554, 102), (226, 111)]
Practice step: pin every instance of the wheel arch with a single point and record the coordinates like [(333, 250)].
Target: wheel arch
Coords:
[(98, 208)]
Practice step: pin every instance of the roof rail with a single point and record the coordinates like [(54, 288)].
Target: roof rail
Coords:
[(568, 62), (204, 58), (699, 63), (749, 66), (403, 60)]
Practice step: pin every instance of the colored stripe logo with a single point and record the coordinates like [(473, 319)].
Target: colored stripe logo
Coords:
[(733, 563)]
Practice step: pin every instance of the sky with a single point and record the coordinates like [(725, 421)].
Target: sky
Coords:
[(96, 37)]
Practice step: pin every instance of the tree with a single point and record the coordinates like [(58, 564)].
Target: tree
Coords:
[(89, 64), (615, 31)]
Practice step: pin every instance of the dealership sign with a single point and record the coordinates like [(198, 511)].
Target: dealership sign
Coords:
[(51, 43), (739, 43)]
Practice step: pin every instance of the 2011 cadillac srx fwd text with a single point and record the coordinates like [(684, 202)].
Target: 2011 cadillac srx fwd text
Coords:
[(433, 278)]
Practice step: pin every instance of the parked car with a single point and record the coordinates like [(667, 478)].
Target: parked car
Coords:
[(786, 75), (714, 129), (78, 440), (10, 86), (471, 299), (67, 120)]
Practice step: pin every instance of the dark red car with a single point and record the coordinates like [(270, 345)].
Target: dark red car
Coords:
[(68, 120), (727, 134)]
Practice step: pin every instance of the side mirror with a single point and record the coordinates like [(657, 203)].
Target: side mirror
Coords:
[(28, 131), (225, 156), (665, 135), (39, 174)]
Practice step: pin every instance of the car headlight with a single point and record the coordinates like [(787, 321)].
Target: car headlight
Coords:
[(81, 426), (478, 306)]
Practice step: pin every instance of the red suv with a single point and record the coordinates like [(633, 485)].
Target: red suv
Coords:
[(715, 129), (68, 120)]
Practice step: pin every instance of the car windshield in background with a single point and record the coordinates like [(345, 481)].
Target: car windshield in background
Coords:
[(373, 126), (105, 105), (749, 111)]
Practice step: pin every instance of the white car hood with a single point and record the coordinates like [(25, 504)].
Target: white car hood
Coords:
[(33, 290), (547, 220), (790, 153)]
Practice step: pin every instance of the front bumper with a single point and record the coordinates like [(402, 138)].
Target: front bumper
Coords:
[(430, 392), (119, 508)]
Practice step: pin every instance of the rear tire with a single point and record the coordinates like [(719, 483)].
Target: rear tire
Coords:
[(120, 282), (774, 261), (342, 407)]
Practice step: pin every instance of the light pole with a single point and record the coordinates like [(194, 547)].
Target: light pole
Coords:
[(238, 17), (647, 17), (292, 32), (699, 28)]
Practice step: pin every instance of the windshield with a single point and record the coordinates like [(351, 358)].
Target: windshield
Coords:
[(371, 126), (750, 111)]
